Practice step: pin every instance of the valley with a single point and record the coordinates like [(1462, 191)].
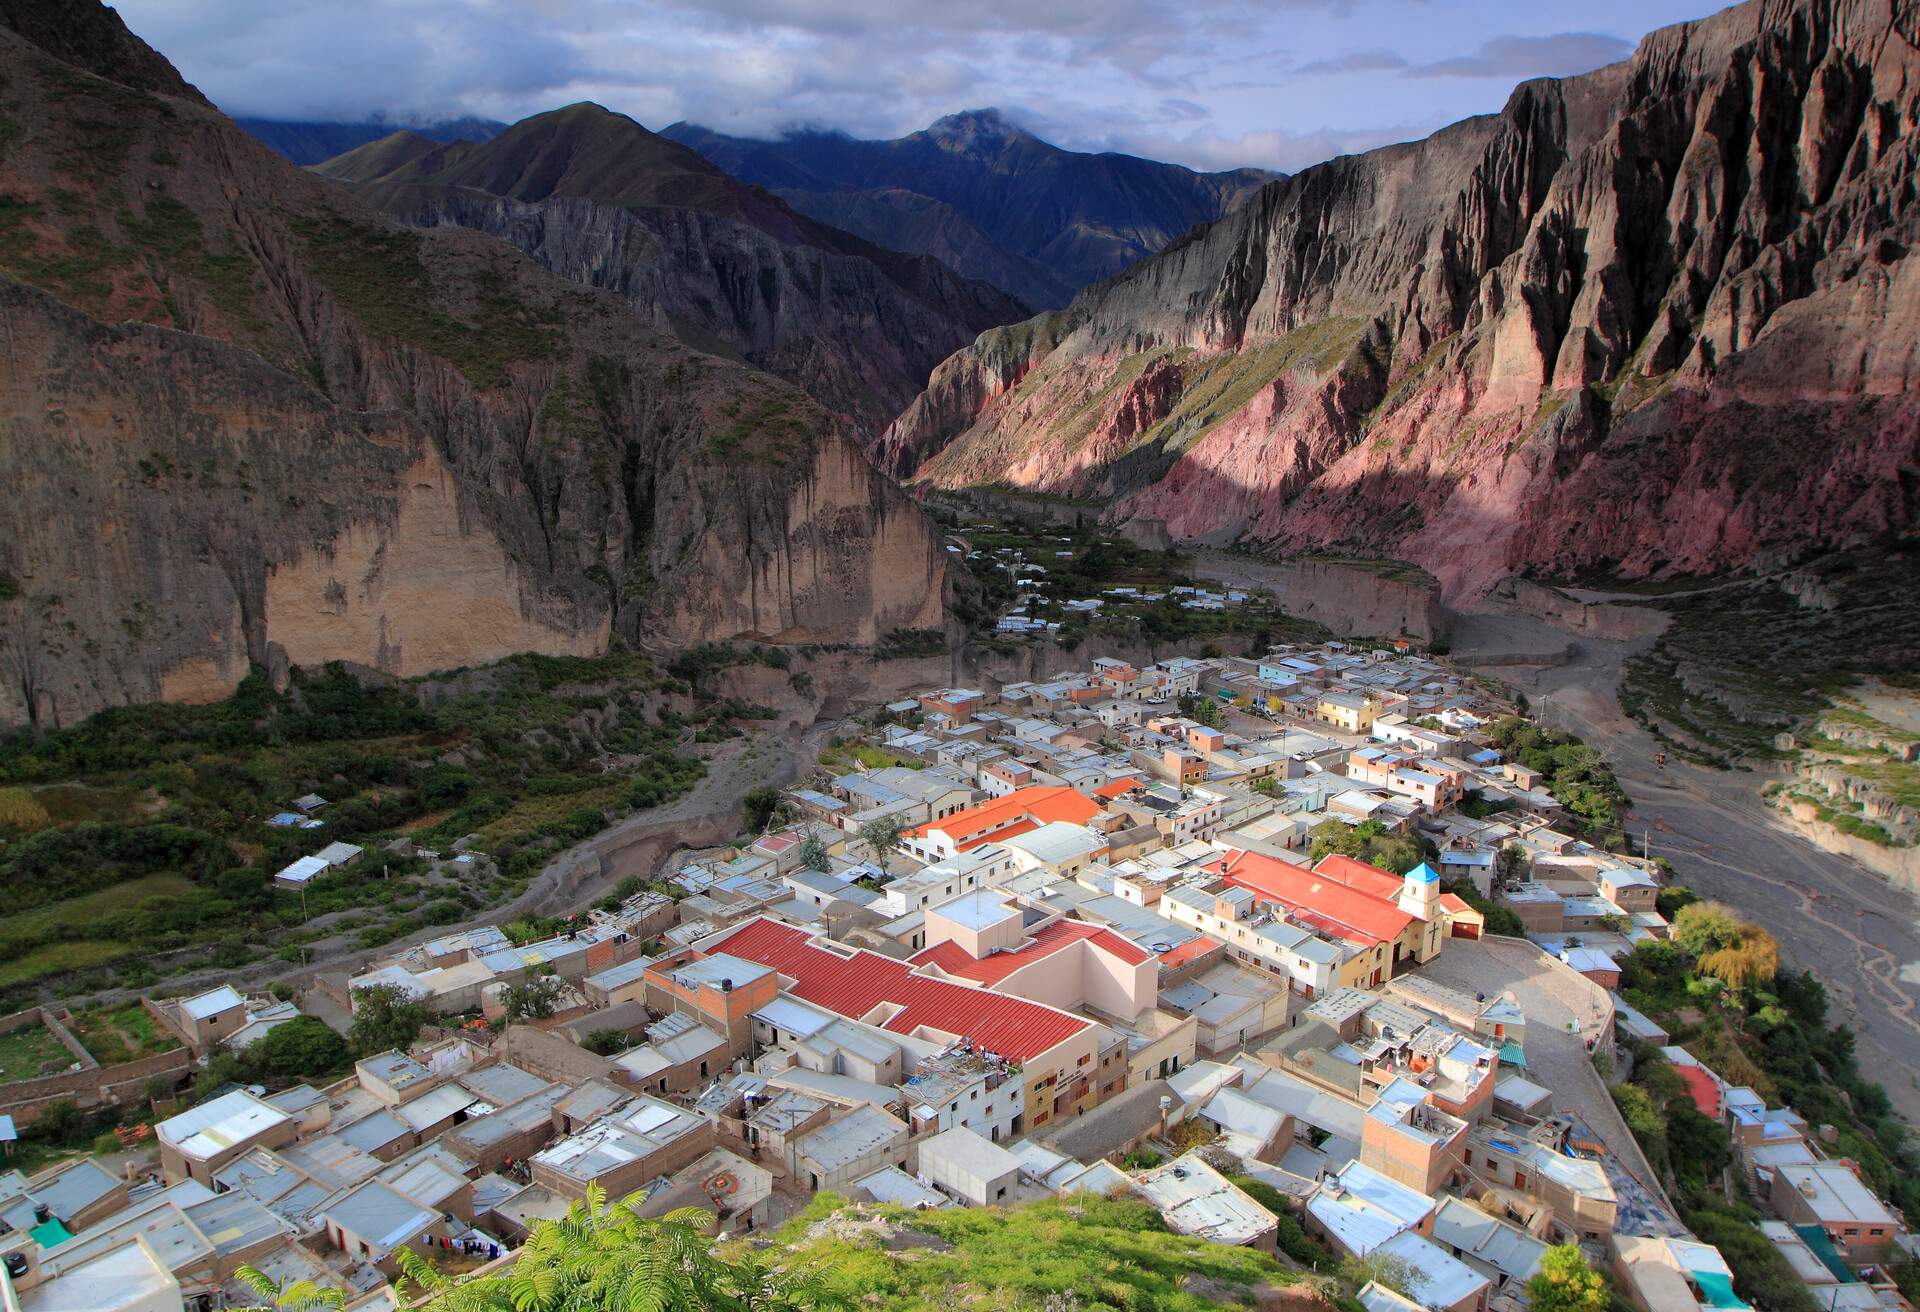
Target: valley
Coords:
[(788, 717)]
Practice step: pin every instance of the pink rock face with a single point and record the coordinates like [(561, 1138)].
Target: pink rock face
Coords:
[(1663, 317)]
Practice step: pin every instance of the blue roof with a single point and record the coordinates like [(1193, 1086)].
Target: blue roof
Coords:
[(1424, 873)]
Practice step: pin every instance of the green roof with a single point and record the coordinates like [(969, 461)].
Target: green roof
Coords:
[(1511, 1054), (1821, 1243), (1717, 1288), (50, 1232)]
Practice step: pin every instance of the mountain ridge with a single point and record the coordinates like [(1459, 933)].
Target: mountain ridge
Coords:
[(1053, 220), (1655, 318), (312, 141), (599, 198), (266, 426)]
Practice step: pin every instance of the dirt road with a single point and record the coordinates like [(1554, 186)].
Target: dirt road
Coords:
[(1855, 931)]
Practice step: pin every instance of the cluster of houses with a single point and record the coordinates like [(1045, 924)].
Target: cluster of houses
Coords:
[(1098, 955)]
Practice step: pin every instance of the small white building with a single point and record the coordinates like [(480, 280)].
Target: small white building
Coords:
[(973, 1169)]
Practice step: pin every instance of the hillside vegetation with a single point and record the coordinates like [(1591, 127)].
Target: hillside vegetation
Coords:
[(137, 842)]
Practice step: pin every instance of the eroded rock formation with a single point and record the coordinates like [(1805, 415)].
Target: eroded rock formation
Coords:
[(1663, 317), (245, 419)]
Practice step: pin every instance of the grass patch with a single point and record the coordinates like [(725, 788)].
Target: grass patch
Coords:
[(116, 1034), (1105, 1251), (77, 917), (59, 959), (380, 275), (32, 1051)]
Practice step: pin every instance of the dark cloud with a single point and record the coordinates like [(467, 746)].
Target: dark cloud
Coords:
[(1203, 82)]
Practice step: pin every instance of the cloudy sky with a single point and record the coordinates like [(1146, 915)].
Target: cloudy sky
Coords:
[(1210, 83)]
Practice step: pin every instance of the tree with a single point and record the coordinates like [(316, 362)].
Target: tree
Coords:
[(385, 1018), (599, 1258), (1737, 953), (604, 1043), (881, 834), (303, 1046), (1510, 863), (758, 806), (294, 1296), (533, 999), (1706, 926), (58, 1122), (1387, 1269), (813, 854), (1203, 709), (1567, 1282)]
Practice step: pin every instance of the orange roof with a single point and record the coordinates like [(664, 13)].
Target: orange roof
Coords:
[(953, 959), (1455, 905), (1702, 1088), (1118, 787), (1192, 950), (1041, 805), (1360, 875), (1326, 903)]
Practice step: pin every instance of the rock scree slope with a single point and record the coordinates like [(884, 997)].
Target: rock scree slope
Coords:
[(1659, 318), (249, 421)]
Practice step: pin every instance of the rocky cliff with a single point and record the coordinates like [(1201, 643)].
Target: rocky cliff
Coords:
[(1663, 317), (246, 420), (988, 197), (603, 202)]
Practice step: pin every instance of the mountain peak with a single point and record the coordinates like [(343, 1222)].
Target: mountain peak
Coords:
[(975, 125)]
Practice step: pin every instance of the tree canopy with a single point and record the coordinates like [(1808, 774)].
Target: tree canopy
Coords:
[(1567, 1282), (385, 1018)]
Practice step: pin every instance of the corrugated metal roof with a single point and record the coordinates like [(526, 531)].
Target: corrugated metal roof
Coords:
[(955, 960), (855, 984)]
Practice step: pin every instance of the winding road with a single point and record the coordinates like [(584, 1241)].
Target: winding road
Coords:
[(1852, 928)]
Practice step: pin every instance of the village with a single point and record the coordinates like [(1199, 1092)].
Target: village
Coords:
[(1129, 929)]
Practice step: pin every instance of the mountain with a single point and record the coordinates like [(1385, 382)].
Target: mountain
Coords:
[(1662, 318), (602, 201), (251, 422), (990, 199), (310, 143)]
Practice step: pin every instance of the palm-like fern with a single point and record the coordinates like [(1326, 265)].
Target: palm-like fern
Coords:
[(597, 1258), (294, 1296)]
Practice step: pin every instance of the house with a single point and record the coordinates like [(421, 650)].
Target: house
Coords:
[(1832, 1196), (1195, 1199), (719, 990), (1505, 1254), (983, 937), (202, 1139), (1353, 712), (623, 1150), (1018, 812), (972, 1169), (373, 1221), (1393, 921), (208, 1018), (1057, 1051), (1660, 1274), (848, 1147)]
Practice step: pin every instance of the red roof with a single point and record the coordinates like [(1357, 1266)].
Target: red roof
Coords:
[(954, 959), (1358, 874), (1702, 1088), (1040, 805), (1192, 950), (1320, 899), (855, 984)]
